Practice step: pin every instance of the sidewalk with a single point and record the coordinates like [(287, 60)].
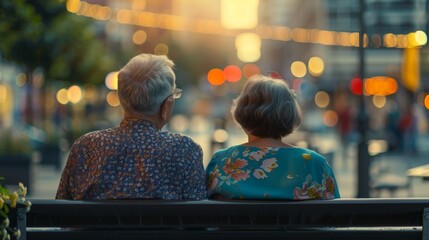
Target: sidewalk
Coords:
[(389, 168)]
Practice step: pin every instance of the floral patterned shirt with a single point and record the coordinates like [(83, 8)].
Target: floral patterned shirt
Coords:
[(243, 172), (133, 160)]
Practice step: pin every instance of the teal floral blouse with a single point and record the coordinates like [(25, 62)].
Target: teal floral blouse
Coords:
[(243, 172)]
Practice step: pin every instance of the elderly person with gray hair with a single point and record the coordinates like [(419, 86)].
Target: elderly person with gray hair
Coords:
[(136, 159), (265, 167)]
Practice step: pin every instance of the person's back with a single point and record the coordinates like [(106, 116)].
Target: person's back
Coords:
[(136, 159), (248, 172)]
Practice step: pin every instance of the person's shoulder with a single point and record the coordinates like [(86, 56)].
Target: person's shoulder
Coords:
[(308, 154), (229, 151), (182, 139), (93, 136)]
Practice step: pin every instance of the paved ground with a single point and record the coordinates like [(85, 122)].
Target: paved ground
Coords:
[(388, 168)]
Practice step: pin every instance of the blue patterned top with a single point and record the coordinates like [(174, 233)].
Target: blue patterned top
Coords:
[(133, 160), (243, 172)]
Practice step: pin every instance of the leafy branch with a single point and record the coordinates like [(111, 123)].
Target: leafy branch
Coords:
[(10, 200)]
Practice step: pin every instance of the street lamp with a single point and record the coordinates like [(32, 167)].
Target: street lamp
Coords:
[(362, 118)]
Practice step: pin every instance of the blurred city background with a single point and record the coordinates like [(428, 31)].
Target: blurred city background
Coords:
[(365, 106)]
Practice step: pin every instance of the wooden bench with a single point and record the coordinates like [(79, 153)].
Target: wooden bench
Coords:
[(156, 219)]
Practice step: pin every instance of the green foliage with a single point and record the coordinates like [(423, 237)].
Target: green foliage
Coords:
[(41, 33), (11, 200), (14, 16)]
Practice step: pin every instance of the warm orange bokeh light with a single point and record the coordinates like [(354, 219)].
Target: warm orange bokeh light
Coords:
[(113, 99), (298, 69), (62, 96), (322, 99), (316, 65), (139, 37), (216, 77), (74, 94), (250, 70), (426, 101), (380, 85), (232, 73), (111, 80), (330, 118)]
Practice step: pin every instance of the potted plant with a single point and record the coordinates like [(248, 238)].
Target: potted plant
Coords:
[(8, 203)]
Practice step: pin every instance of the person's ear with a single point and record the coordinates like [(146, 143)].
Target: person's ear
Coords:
[(166, 108)]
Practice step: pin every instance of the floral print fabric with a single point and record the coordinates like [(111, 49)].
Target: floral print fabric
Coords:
[(243, 172), (133, 160)]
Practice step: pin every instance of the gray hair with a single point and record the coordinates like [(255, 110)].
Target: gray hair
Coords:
[(267, 107), (145, 82)]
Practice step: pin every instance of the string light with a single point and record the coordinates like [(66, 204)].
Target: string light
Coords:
[(205, 26)]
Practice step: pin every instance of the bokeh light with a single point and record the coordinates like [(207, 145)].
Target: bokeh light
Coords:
[(74, 94), (421, 38), (220, 135), (248, 47), (380, 85), (330, 118), (239, 14), (179, 123), (73, 6), (21, 79), (343, 38), (390, 40), (376, 147), (3, 93), (232, 73), (139, 37), (62, 97), (379, 101), (298, 69), (356, 86), (161, 49), (354, 39), (124, 16), (316, 65), (426, 102), (111, 80), (300, 35), (250, 70), (90, 93), (113, 99), (322, 99), (216, 77)]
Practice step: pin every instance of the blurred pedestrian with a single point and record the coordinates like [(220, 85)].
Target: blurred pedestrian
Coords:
[(265, 167), (345, 128), (394, 132), (136, 159), (408, 126)]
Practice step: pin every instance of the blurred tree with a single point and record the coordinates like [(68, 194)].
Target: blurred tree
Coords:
[(41, 33)]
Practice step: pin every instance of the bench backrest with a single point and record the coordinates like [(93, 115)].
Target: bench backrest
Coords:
[(342, 218)]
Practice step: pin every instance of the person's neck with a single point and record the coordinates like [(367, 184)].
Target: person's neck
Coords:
[(153, 119), (265, 142)]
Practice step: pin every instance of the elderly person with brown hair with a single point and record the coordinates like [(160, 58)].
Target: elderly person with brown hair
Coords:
[(136, 159), (265, 167)]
